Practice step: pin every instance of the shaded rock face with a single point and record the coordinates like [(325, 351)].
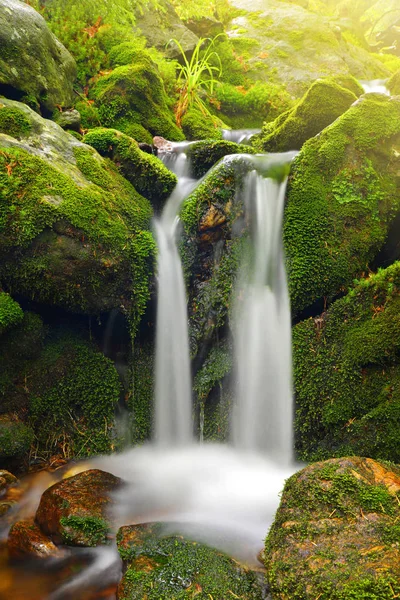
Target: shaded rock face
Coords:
[(73, 232), (297, 46), (75, 511), (160, 566), (336, 532), (347, 373), (26, 540), (159, 27), (343, 193), (33, 63), (324, 102)]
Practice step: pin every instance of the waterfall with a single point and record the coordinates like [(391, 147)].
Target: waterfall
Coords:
[(240, 136), (173, 388), (262, 419)]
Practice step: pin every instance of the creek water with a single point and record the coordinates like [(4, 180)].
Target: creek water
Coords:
[(222, 494), (377, 86), (240, 136)]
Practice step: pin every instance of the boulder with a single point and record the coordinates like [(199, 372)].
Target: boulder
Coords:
[(15, 437), (198, 126), (73, 232), (336, 532), (206, 154), (26, 540), (146, 172), (133, 95), (34, 65), (347, 373), (205, 27), (167, 566), (76, 511), (324, 102), (69, 120), (343, 193)]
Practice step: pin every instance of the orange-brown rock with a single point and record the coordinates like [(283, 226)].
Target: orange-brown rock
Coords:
[(213, 217), (26, 539), (76, 511), (336, 533)]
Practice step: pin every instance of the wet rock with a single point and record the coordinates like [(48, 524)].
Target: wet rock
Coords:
[(34, 65), (6, 479), (27, 540), (75, 511), (69, 119), (206, 154), (159, 565), (148, 148), (336, 532)]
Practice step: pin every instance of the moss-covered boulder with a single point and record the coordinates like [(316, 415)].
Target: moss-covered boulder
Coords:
[(147, 173), (394, 84), (10, 312), (336, 533), (324, 102), (197, 126), (73, 232), (26, 540), (343, 193), (34, 65), (347, 373), (15, 438), (205, 154), (133, 95), (76, 511), (173, 567)]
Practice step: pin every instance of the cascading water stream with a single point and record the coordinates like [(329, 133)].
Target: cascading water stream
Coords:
[(240, 136)]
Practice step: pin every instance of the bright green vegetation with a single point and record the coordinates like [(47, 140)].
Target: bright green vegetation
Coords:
[(132, 95), (10, 312), (13, 122), (342, 195), (347, 374), (335, 535), (205, 155), (74, 231), (161, 568), (15, 438), (221, 9), (196, 126), (319, 107), (141, 401), (394, 84), (93, 529), (145, 172)]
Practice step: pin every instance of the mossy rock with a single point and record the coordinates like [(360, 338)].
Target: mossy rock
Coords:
[(75, 511), (145, 172), (198, 126), (134, 95), (342, 195), (324, 102), (73, 232), (336, 534), (205, 154), (141, 402), (34, 65), (15, 438), (347, 373), (10, 312), (394, 84), (172, 567)]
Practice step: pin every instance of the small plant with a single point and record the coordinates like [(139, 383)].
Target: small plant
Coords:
[(196, 78)]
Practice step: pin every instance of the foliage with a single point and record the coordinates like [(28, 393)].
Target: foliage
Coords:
[(10, 312), (196, 77), (219, 9)]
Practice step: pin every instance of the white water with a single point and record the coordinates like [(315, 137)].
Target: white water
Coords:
[(375, 86), (262, 419), (240, 136)]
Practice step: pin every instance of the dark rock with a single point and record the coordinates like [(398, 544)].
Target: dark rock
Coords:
[(69, 119), (34, 65), (148, 148), (76, 511), (205, 27), (336, 532), (26, 540)]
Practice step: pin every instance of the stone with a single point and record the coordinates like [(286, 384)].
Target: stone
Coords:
[(34, 65), (77, 510), (26, 540), (159, 565), (336, 532), (69, 119), (205, 27)]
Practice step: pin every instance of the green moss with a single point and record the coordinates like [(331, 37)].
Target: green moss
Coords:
[(146, 172), (394, 84), (135, 94), (205, 155), (197, 126), (347, 374), (141, 401), (15, 438), (94, 530), (10, 312), (319, 107), (172, 567), (342, 195), (13, 122)]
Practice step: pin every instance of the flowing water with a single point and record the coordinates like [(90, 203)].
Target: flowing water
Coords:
[(225, 495), (377, 86), (240, 136)]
